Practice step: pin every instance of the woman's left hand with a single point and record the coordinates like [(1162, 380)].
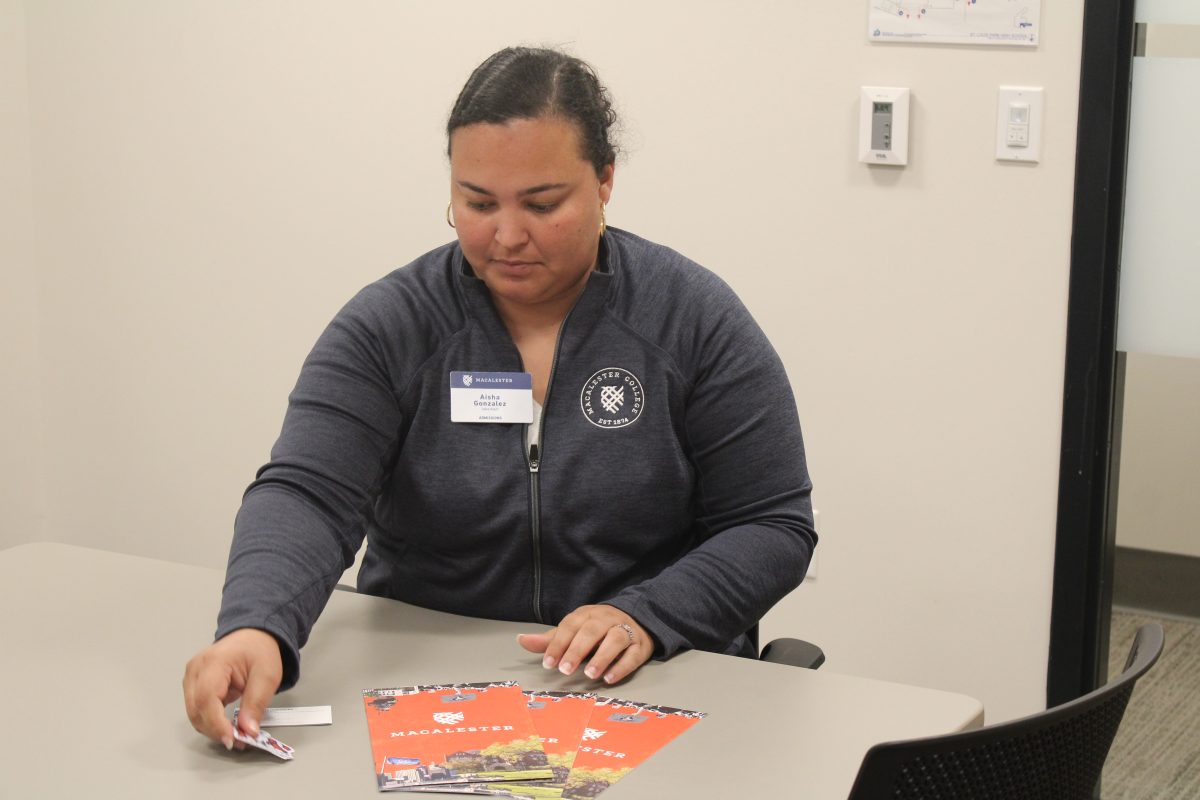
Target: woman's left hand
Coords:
[(597, 634)]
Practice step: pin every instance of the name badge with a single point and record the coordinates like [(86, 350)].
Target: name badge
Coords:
[(491, 397)]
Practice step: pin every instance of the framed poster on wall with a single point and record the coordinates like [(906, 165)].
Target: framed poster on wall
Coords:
[(1011, 22)]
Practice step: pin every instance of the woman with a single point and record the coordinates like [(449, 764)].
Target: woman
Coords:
[(657, 502)]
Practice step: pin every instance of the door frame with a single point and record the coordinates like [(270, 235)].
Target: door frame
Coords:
[(1085, 542)]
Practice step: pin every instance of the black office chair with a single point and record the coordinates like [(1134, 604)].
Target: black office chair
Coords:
[(1056, 754), (796, 652), (793, 652)]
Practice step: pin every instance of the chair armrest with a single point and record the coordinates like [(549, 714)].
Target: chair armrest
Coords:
[(794, 652)]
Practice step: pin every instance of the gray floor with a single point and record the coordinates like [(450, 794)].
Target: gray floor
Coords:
[(1157, 750)]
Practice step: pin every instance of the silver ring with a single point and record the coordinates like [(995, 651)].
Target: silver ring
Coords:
[(625, 626)]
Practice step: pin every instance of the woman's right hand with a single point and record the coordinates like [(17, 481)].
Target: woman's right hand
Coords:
[(245, 663)]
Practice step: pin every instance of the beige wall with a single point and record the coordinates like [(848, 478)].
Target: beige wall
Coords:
[(22, 459), (215, 179), (1158, 505)]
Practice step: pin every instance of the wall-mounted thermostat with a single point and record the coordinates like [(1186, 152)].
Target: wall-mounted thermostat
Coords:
[(883, 126)]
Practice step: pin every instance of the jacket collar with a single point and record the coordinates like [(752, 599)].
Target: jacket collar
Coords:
[(581, 318)]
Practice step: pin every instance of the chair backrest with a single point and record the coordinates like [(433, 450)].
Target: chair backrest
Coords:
[(1056, 754)]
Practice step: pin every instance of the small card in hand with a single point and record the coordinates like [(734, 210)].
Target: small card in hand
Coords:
[(265, 741)]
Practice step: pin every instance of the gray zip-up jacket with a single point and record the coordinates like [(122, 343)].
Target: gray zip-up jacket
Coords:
[(679, 494)]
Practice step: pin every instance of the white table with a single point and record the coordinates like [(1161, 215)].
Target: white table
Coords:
[(93, 645)]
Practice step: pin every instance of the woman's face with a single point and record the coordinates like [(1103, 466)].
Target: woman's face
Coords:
[(527, 209)]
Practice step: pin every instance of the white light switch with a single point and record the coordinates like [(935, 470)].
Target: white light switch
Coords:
[(1019, 123)]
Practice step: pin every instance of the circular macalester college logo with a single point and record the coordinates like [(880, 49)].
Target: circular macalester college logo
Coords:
[(612, 398)]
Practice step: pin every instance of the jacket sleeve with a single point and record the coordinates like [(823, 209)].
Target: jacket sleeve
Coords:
[(753, 505), (302, 520)]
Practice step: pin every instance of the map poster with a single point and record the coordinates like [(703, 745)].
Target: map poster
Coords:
[(1012, 22)]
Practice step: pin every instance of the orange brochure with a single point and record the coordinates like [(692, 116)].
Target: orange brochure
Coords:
[(560, 718), (466, 732), (619, 736)]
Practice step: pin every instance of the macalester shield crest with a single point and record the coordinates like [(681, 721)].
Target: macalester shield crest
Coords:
[(448, 717), (468, 380)]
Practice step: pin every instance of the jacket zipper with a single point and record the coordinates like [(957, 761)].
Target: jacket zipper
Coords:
[(535, 530), (534, 460)]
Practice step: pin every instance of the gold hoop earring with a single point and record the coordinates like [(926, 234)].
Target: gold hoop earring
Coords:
[(603, 222), (449, 221)]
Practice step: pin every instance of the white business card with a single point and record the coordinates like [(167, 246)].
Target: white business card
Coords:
[(299, 715), (284, 716)]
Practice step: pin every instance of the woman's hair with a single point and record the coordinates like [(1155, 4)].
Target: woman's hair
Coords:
[(528, 83)]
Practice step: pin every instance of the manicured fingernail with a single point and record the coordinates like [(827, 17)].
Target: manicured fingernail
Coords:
[(610, 678), (591, 672), (228, 742), (566, 668), (548, 662), (252, 726)]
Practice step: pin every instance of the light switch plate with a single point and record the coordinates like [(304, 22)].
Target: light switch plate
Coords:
[(1019, 123)]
